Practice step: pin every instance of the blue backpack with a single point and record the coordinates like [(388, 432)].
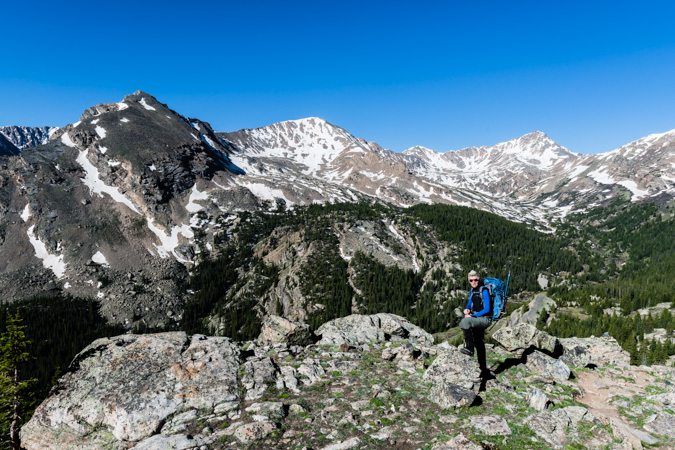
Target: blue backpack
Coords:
[(497, 291)]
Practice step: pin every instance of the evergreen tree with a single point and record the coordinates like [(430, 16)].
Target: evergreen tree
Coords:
[(15, 396)]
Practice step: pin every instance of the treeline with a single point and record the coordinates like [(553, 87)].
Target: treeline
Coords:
[(39, 337), (633, 248), (497, 245), (230, 287), (59, 327), (628, 331)]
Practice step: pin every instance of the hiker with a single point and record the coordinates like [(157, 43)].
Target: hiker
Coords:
[(477, 317)]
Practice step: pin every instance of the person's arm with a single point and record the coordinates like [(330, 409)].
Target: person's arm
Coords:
[(486, 304)]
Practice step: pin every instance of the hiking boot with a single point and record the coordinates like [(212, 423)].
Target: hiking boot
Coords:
[(487, 374), (466, 351), (468, 343)]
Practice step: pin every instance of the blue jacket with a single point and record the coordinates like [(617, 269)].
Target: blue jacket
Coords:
[(486, 303)]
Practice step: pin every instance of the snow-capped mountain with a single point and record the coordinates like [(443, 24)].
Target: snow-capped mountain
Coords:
[(27, 137), (531, 178)]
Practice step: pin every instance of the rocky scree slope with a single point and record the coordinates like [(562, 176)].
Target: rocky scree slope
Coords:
[(367, 382)]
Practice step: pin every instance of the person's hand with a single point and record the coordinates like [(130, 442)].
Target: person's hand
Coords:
[(467, 313)]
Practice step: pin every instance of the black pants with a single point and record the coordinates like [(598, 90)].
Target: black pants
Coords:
[(474, 335)]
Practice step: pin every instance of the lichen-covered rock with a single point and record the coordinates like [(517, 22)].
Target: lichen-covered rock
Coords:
[(454, 367), (344, 445), (277, 329), (593, 351), (121, 390), (255, 431), (552, 426), (448, 395), (538, 400), (490, 425), (524, 336), (546, 366), (661, 423), (459, 442), (173, 442), (258, 374), (453, 376), (313, 370), (630, 435), (359, 329)]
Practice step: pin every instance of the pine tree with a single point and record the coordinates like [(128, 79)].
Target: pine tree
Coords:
[(15, 395)]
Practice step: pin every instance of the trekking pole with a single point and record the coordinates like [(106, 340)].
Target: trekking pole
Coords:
[(506, 289)]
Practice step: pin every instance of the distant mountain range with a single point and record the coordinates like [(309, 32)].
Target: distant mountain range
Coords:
[(133, 189), (527, 179), (26, 137)]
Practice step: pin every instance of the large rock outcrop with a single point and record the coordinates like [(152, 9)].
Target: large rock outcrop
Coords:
[(173, 391), (593, 351), (359, 329), (524, 337), (124, 389), (277, 330)]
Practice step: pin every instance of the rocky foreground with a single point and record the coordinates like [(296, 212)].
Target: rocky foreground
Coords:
[(368, 382)]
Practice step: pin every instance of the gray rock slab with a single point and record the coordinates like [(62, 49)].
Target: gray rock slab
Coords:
[(255, 431), (173, 442), (259, 373), (277, 329), (546, 366), (161, 374), (663, 424), (490, 425), (594, 351), (538, 400), (454, 367), (449, 395), (361, 329), (524, 336), (459, 442), (344, 445), (552, 426)]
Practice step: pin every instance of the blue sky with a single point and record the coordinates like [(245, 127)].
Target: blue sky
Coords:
[(445, 75)]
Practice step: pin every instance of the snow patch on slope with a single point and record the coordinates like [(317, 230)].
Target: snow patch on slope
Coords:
[(97, 186), (53, 262), (145, 105), (25, 215), (99, 258)]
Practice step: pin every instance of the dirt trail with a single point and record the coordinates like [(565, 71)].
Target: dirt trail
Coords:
[(601, 388)]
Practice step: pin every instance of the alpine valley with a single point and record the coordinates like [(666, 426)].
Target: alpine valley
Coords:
[(135, 219)]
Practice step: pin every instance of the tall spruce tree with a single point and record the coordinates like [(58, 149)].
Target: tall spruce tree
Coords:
[(16, 404)]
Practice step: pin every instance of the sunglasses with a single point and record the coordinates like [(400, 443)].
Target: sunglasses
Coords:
[(475, 279)]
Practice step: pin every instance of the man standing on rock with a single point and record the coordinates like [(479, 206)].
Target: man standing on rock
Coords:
[(477, 317)]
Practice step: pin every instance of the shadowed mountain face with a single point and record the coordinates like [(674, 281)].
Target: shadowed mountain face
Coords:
[(7, 148)]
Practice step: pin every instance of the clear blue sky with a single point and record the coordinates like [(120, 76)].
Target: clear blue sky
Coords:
[(445, 75)]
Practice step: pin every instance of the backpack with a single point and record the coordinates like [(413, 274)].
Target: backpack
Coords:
[(497, 291)]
